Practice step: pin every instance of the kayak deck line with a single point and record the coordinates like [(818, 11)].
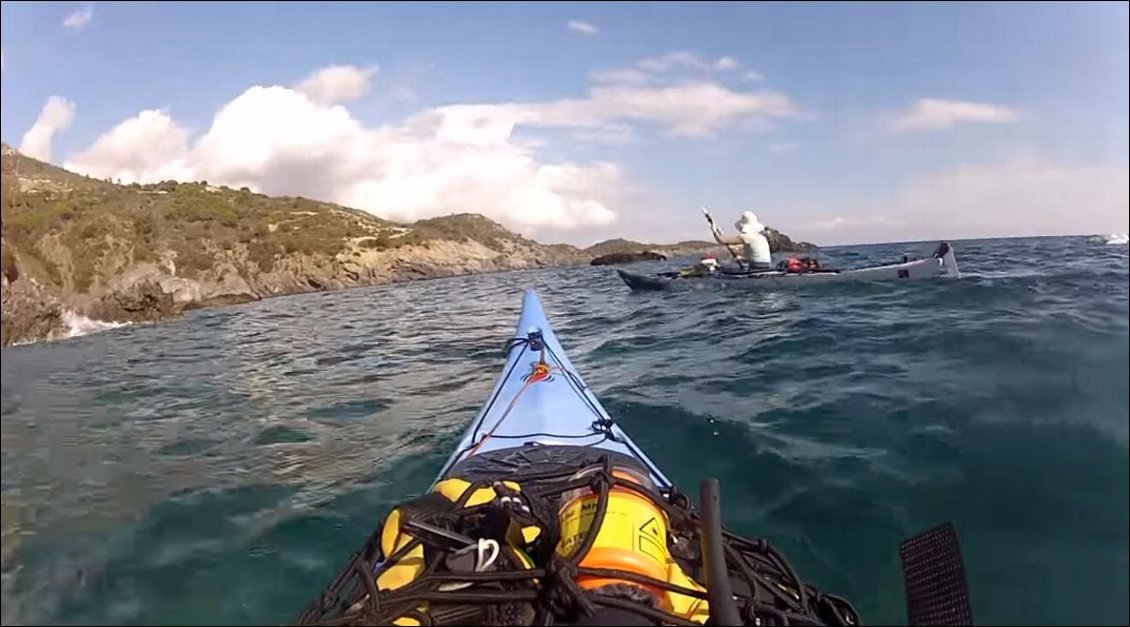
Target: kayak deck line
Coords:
[(542, 371), (557, 409)]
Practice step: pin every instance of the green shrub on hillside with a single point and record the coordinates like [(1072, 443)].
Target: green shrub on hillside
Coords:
[(104, 226), (193, 205)]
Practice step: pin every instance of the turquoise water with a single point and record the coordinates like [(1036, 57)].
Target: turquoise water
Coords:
[(220, 467)]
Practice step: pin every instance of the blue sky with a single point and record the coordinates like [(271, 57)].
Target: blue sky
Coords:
[(574, 121)]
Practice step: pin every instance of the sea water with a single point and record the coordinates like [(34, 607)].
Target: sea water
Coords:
[(220, 467)]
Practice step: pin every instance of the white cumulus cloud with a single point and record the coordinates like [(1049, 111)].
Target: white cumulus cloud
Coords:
[(934, 114), (441, 160), (336, 84), (279, 141), (586, 28), (56, 115), (150, 146), (79, 19)]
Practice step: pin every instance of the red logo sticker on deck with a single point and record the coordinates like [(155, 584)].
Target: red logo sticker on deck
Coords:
[(540, 373)]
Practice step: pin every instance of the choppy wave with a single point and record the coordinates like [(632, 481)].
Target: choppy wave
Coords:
[(1111, 239), (78, 324)]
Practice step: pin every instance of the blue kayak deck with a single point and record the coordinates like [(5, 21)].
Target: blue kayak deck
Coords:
[(540, 400)]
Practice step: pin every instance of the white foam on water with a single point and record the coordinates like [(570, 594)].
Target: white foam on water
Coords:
[(78, 324), (1117, 239)]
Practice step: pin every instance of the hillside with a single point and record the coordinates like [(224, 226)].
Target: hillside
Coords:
[(620, 245), (778, 242), (146, 252)]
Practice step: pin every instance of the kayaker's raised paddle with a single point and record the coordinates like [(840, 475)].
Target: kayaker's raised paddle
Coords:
[(716, 232)]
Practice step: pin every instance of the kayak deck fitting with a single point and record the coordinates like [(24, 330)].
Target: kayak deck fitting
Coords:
[(547, 513)]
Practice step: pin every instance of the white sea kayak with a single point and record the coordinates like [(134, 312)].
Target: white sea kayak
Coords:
[(941, 264)]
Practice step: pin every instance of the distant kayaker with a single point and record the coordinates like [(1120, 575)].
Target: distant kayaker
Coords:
[(755, 246)]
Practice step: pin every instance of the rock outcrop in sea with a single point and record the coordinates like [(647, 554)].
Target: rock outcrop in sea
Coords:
[(627, 257)]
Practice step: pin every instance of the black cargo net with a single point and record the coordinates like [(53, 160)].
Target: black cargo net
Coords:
[(448, 590)]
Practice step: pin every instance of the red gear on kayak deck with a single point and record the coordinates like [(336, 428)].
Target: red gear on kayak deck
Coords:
[(797, 265), (541, 372)]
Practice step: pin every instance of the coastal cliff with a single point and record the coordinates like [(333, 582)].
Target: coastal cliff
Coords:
[(73, 245)]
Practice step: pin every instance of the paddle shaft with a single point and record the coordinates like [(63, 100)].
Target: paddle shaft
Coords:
[(716, 232), (723, 609)]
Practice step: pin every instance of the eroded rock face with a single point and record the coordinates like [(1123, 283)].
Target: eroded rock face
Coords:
[(29, 312), (149, 291), (142, 301), (779, 242)]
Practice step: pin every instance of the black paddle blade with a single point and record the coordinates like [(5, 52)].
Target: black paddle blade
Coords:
[(936, 591)]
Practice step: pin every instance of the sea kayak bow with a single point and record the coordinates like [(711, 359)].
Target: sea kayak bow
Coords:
[(541, 401), (548, 513), (941, 263)]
